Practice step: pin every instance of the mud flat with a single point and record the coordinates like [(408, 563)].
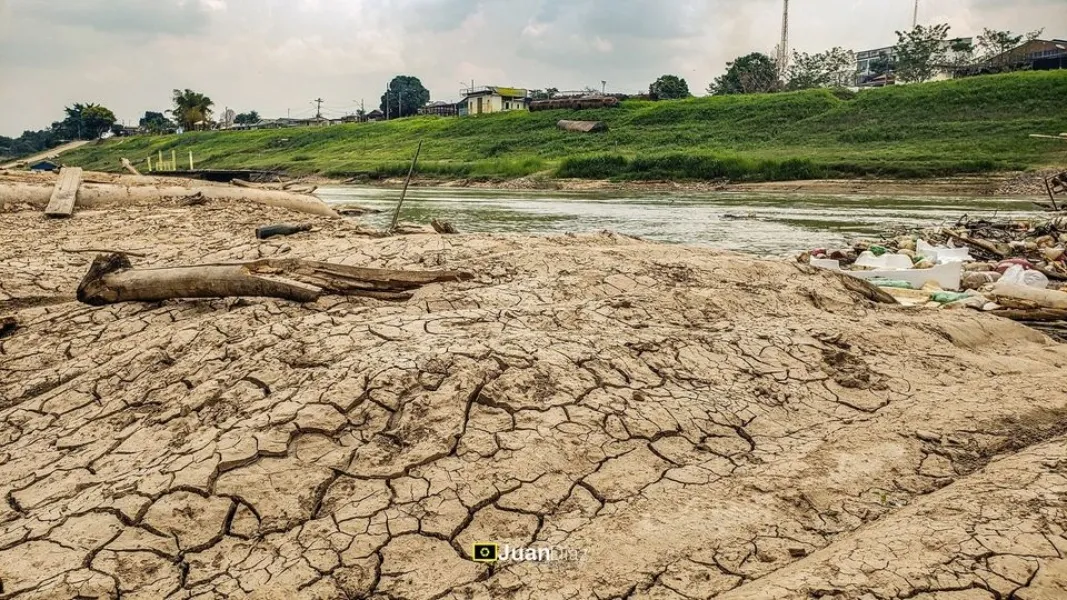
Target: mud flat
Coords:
[(677, 423)]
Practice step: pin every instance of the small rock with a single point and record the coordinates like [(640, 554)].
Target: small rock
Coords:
[(928, 436)]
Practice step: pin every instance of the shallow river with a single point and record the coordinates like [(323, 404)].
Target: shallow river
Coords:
[(756, 223)]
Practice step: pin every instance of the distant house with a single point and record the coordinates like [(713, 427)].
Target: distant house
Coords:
[(875, 68), (44, 165), (1036, 55), (492, 99), (376, 115), (440, 109)]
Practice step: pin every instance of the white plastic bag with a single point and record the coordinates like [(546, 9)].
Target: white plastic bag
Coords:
[(1017, 275)]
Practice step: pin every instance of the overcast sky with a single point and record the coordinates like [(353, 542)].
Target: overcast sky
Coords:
[(276, 56)]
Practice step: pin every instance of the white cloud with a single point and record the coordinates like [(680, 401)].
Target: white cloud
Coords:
[(277, 55)]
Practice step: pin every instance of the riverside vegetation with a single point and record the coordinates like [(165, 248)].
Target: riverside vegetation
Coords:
[(975, 125)]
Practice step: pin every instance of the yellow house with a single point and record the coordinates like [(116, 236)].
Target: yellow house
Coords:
[(493, 99)]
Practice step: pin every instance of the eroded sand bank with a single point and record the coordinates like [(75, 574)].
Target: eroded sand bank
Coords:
[(691, 424)]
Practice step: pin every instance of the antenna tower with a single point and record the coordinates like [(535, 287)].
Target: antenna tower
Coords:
[(783, 46)]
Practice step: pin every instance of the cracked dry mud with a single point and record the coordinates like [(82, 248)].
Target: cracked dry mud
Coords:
[(696, 424)]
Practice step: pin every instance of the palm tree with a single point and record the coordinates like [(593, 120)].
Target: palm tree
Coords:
[(191, 108)]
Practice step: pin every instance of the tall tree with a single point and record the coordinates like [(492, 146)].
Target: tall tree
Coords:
[(833, 68), (753, 73), (669, 87), (404, 97), (191, 108), (994, 47), (155, 122), (921, 52), (247, 118), (86, 121)]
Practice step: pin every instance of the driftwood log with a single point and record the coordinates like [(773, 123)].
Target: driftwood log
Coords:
[(269, 231), (111, 278), (582, 126), (108, 195)]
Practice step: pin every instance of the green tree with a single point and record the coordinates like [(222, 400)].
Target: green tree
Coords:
[(921, 52), (833, 68), (155, 122), (545, 94), (86, 121), (669, 87), (995, 48), (248, 118), (404, 97), (750, 74), (191, 108)]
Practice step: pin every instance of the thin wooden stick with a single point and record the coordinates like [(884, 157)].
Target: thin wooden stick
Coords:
[(396, 214), (1051, 196), (103, 251)]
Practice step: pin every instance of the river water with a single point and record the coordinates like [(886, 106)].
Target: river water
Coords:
[(756, 223)]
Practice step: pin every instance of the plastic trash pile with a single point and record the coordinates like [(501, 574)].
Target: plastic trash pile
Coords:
[(976, 264)]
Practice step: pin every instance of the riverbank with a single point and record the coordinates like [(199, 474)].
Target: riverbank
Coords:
[(669, 417), (1005, 185), (971, 126)]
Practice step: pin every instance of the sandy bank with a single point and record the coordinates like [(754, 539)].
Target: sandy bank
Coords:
[(683, 423)]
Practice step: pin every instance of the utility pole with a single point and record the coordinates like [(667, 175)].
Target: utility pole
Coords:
[(915, 16), (400, 104), (783, 46), (318, 107), (387, 103)]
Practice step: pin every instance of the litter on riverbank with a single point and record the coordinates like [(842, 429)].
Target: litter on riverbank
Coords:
[(1014, 269)]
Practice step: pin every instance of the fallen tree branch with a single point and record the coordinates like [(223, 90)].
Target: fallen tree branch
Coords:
[(102, 251), (980, 244), (111, 278)]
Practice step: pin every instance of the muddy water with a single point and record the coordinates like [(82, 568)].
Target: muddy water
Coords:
[(761, 224)]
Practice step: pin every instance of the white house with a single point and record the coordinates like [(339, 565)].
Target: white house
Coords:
[(493, 99)]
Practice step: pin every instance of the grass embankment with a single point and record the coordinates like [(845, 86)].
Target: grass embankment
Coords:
[(938, 129)]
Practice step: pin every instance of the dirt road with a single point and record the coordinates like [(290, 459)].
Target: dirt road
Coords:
[(677, 423), (46, 154)]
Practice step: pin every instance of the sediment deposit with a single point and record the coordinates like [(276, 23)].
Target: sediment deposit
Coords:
[(687, 423)]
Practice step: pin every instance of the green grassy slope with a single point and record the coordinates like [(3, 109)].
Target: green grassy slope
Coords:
[(965, 126)]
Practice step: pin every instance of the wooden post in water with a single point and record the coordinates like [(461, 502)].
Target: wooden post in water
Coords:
[(159, 162), (190, 160), (149, 159), (173, 160), (396, 215)]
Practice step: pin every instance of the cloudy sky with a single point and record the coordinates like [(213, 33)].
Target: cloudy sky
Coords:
[(275, 56)]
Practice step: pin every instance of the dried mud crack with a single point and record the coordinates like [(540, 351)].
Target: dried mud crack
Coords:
[(690, 424)]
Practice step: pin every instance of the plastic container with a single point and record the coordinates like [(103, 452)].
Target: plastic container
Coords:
[(940, 255), (826, 263), (946, 276), (885, 262)]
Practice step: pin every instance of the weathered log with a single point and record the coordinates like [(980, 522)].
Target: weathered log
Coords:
[(1020, 295), (582, 126), (111, 278), (106, 195), (269, 231), (1037, 315), (443, 227)]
